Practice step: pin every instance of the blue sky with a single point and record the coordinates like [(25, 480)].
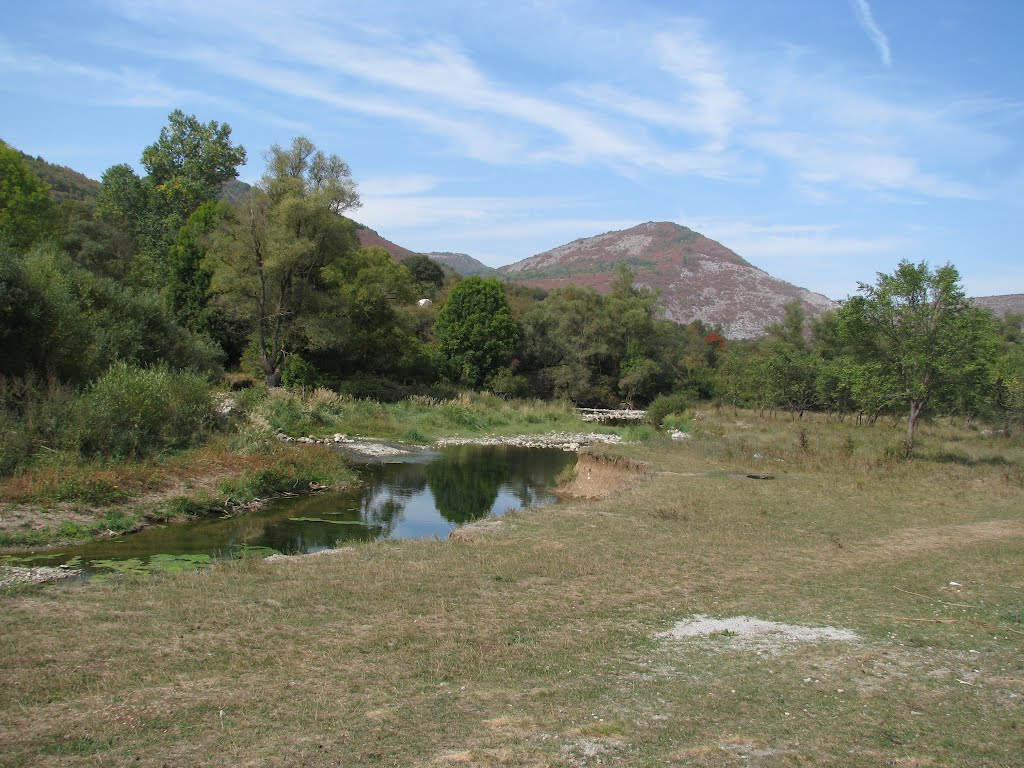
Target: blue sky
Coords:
[(823, 140)]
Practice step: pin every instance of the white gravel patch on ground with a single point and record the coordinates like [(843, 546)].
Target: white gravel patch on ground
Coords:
[(278, 557), (568, 441), (11, 575), (750, 633)]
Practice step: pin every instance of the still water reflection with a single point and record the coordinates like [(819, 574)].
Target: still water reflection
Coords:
[(427, 496)]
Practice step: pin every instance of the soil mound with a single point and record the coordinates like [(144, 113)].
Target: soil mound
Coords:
[(598, 476)]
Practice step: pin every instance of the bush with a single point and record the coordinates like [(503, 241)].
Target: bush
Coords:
[(675, 404), (32, 413), (297, 372), (367, 387), (138, 412), (64, 321), (509, 384)]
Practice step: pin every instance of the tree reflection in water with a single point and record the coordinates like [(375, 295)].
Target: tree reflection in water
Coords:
[(413, 499)]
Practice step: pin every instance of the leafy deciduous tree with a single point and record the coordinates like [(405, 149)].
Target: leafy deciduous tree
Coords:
[(920, 336), (185, 168), (26, 211), (475, 330), (269, 261)]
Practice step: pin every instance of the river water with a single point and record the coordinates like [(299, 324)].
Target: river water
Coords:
[(423, 496)]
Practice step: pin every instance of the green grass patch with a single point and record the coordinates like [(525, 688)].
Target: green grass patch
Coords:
[(416, 419), (294, 471)]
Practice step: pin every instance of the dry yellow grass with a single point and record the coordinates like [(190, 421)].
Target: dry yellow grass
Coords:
[(534, 644)]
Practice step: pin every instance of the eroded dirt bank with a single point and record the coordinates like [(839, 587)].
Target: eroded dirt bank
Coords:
[(599, 475)]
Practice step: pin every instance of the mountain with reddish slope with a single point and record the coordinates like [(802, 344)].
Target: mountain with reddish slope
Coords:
[(367, 238), (696, 277)]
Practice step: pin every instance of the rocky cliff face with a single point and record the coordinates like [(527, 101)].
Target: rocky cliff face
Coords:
[(697, 278), (1001, 305)]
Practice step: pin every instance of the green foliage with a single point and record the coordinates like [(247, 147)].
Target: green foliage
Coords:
[(602, 350), (296, 470), (65, 184), (360, 324), (268, 263), (475, 330), (33, 413), (789, 369), (64, 321), (663, 406), (509, 384), (187, 506), (133, 412), (27, 213), (639, 433), (189, 274), (190, 162), (1007, 388), (95, 491), (297, 372), (427, 275), (920, 341), (186, 168), (93, 243)]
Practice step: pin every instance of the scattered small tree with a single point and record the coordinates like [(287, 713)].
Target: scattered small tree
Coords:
[(918, 336)]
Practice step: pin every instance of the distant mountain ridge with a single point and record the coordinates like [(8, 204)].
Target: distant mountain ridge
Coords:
[(462, 263), (1002, 305), (65, 183), (697, 278)]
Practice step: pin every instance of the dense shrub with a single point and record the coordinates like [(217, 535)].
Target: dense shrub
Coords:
[(64, 321), (663, 406), (33, 413), (136, 412), (298, 372)]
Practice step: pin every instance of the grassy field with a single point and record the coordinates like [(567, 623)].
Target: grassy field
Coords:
[(535, 643)]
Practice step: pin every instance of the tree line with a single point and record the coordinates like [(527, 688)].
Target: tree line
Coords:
[(161, 269)]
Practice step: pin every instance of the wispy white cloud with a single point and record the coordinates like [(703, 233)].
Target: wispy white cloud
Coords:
[(866, 19), (686, 104), (793, 242), (125, 86), (437, 87), (396, 186), (836, 159), (826, 255), (715, 105)]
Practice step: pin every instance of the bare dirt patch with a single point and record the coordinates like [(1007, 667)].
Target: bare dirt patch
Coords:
[(598, 476)]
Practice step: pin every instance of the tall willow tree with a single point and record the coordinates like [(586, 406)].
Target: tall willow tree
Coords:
[(268, 262)]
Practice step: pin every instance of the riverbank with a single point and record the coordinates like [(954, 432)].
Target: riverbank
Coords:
[(256, 454), (854, 610), (66, 502)]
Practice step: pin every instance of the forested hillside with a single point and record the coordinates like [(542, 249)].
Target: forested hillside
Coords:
[(64, 183), (167, 271)]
